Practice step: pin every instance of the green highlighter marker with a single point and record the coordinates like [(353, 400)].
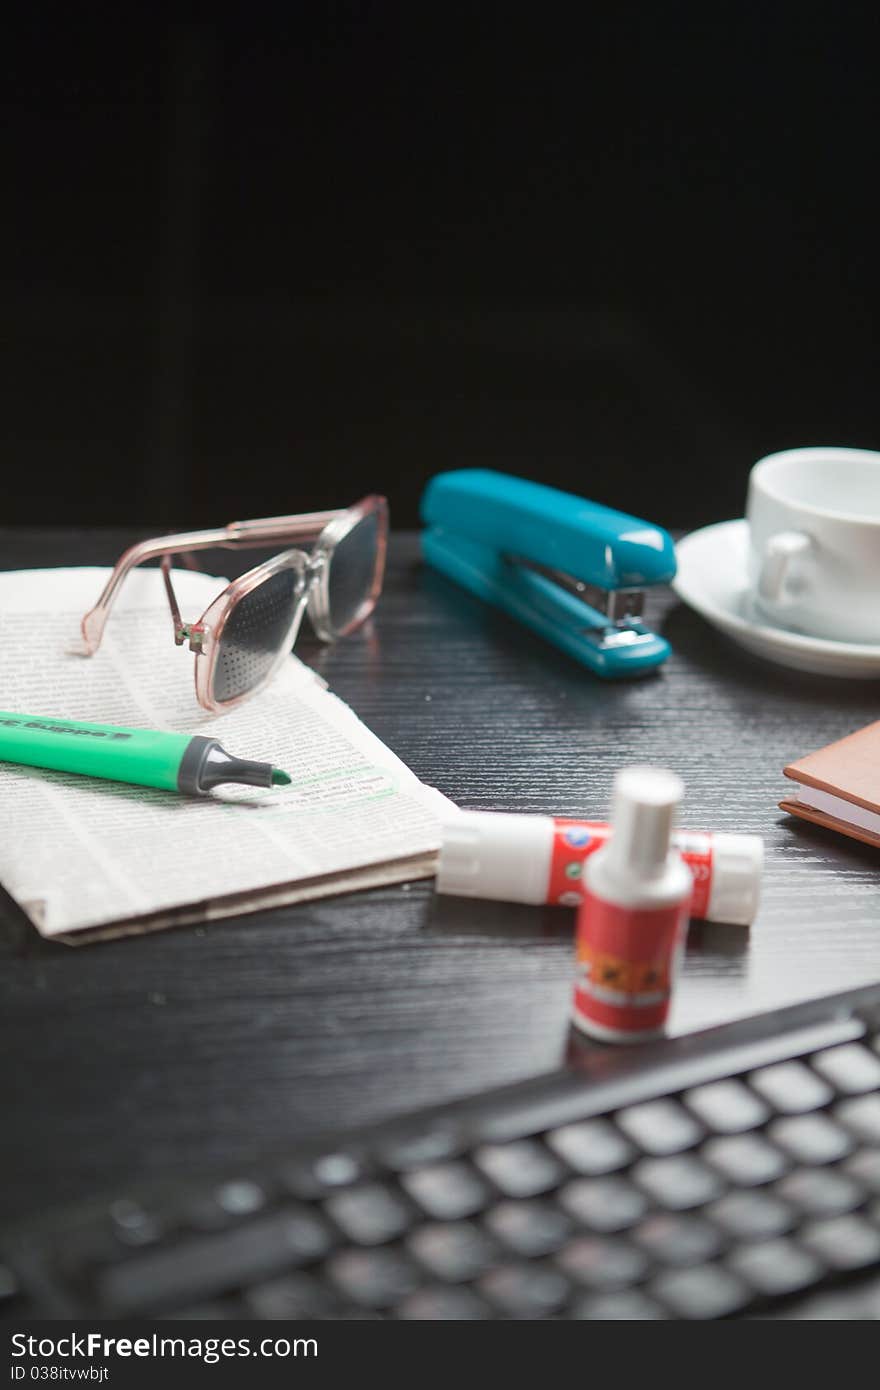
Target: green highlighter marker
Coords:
[(174, 762)]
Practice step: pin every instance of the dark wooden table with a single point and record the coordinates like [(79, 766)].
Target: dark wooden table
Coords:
[(200, 1048)]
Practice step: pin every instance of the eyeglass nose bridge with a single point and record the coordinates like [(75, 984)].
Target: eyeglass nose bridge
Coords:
[(315, 567), (315, 582)]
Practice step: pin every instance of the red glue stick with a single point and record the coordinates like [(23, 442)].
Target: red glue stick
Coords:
[(633, 920), (539, 859)]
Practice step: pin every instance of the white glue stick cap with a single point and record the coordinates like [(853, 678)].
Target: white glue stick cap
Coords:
[(737, 863), (491, 855), (644, 803)]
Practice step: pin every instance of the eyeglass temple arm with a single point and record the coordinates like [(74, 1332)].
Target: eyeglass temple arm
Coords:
[(172, 598), (267, 531)]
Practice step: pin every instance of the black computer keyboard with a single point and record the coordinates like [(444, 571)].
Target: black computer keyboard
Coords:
[(734, 1172)]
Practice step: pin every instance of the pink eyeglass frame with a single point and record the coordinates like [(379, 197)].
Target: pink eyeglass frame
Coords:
[(323, 531)]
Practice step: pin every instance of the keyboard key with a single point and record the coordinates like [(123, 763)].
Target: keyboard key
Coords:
[(862, 1116), (598, 1262), (375, 1278), (776, 1267), (678, 1240), (209, 1265), (631, 1306), (605, 1205), (292, 1296), (864, 1166), (847, 1242), (728, 1107), (303, 1230), (322, 1174), (447, 1191), (525, 1290), (592, 1148), (678, 1183), (851, 1069), (521, 1169), (225, 1205), (454, 1251), (752, 1215), (791, 1088), (703, 1291), (370, 1215), (448, 1303), (746, 1160), (134, 1224), (812, 1139), (821, 1191), (338, 1169), (530, 1229), (413, 1148), (241, 1197), (660, 1127)]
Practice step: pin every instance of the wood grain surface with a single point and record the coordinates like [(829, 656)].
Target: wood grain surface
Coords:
[(199, 1049)]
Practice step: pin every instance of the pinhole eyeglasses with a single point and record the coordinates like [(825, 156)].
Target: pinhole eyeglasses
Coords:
[(242, 638)]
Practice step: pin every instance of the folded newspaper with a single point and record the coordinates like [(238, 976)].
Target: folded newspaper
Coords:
[(86, 858)]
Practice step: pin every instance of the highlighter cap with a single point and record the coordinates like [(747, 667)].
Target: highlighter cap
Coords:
[(737, 865), (487, 854)]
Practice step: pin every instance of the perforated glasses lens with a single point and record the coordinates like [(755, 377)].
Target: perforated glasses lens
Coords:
[(258, 628), (352, 571)]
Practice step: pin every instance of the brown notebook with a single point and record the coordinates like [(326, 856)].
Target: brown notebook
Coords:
[(839, 786)]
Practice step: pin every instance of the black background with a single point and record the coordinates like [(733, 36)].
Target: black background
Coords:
[(266, 259)]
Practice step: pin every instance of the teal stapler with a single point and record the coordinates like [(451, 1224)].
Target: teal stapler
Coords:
[(571, 570)]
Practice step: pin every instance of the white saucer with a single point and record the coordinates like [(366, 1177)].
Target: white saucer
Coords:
[(712, 579)]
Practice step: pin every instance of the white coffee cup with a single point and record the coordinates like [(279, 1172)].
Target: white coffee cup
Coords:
[(814, 542)]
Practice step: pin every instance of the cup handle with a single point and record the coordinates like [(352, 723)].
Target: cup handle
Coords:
[(779, 551)]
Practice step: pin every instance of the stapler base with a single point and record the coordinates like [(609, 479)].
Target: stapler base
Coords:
[(611, 650)]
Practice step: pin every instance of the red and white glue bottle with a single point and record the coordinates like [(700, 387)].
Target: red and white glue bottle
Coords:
[(633, 919), (542, 859)]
